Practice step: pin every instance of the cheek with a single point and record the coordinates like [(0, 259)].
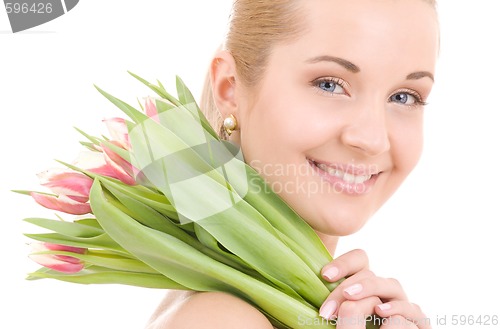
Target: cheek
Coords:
[(272, 129), (406, 145)]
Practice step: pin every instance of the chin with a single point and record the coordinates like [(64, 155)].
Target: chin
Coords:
[(340, 225), (338, 231)]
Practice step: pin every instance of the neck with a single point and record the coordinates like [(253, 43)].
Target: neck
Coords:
[(329, 241)]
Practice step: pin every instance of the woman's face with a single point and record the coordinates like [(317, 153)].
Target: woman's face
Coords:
[(335, 125)]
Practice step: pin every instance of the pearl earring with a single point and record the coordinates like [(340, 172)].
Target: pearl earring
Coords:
[(230, 124)]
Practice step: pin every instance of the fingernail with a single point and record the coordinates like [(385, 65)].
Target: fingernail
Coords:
[(331, 273), (384, 307), (327, 309), (354, 289)]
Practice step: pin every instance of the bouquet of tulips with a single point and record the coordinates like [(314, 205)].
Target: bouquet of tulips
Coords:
[(167, 204)]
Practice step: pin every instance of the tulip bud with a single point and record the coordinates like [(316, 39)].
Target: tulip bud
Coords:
[(151, 110), (73, 184), (62, 203), (118, 130), (60, 263)]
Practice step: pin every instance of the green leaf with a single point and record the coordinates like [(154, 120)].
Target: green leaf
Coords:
[(228, 258), (186, 98), (125, 154), (24, 192), (159, 90), (162, 106), (89, 222), (141, 212), (89, 146), (185, 95), (287, 221), (73, 229), (98, 275), (131, 112), (92, 139), (160, 85), (155, 200), (102, 241), (105, 259), (242, 230)]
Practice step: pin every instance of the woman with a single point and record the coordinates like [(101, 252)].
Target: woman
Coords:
[(326, 99)]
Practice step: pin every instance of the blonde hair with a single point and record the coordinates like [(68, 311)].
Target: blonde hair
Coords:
[(254, 27)]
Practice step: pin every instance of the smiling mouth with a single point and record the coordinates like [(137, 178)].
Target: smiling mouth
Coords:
[(348, 178), (347, 174)]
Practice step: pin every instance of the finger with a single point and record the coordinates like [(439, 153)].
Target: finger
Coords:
[(353, 314), (336, 297), (409, 311), (395, 322), (386, 289), (345, 265)]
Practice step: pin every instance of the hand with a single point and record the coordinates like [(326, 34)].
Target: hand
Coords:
[(363, 294)]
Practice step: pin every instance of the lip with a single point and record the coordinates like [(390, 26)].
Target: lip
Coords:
[(346, 178)]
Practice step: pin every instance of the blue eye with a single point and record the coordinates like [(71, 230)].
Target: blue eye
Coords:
[(330, 85), (407, 98)]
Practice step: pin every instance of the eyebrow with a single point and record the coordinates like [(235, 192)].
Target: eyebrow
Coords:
[(420, 75), (343, 62), (355, 69)]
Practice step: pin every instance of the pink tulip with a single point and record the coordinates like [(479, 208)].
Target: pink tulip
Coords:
[(106, 163), (74, 185), (62, 203), (60, 263), (116, 166), (151, 110), (114, 171), (118, 130), (71, 188)]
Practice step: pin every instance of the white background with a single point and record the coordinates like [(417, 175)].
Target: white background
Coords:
[(438, 235)]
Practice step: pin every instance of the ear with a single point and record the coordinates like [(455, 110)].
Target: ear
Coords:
[(223, 79)]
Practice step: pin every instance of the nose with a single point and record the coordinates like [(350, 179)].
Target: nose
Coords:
[(367, 132)]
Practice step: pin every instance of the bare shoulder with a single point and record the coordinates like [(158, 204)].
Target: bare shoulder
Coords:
[(208, 310)]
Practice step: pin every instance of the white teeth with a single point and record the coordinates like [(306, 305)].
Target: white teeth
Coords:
[(349, 178)]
